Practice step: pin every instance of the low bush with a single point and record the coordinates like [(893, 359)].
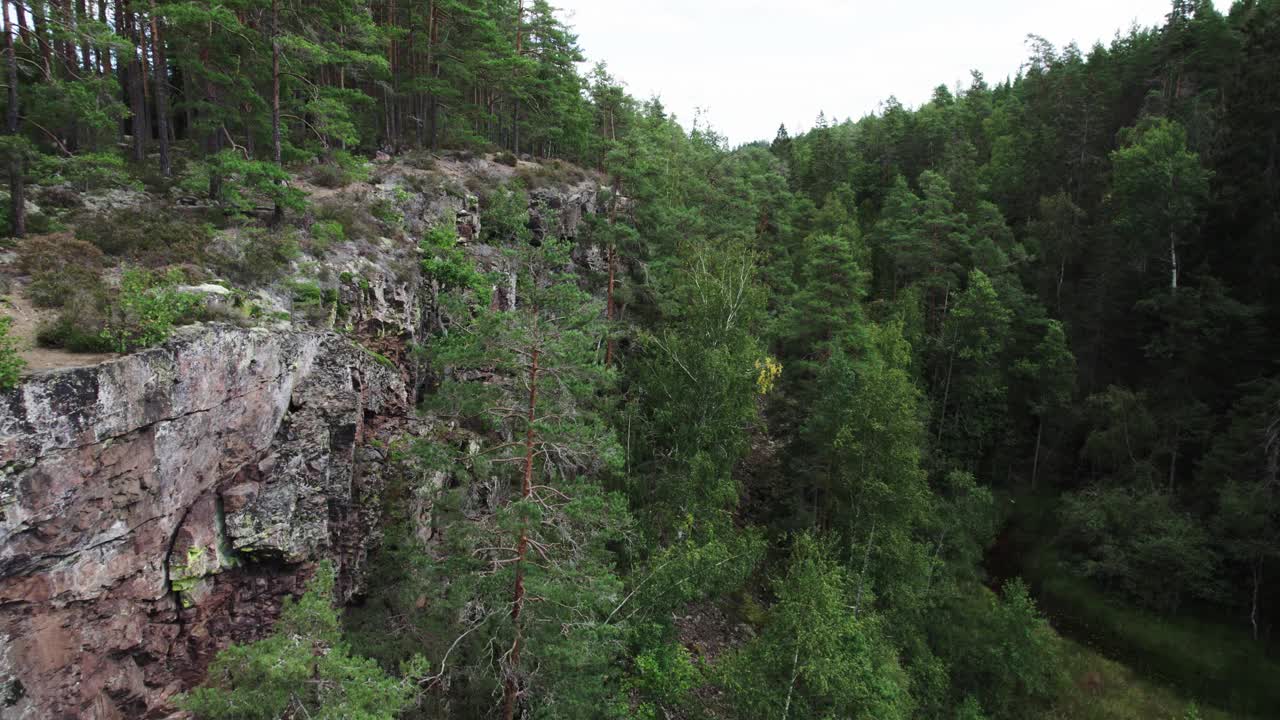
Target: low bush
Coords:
[(79, 327), (420, 159), (38, 223), (86, 171), (387, 210), (77, 334), (504, 215), (340, 170), (58, 265), (263, 255), (147, 309), (313, 302), (147, 238), (351, 213), (243, 186), (446, 263), (325, 233), (11, 364), (549, 174)]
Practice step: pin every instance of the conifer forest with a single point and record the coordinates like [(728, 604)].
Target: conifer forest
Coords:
[(384, 360)]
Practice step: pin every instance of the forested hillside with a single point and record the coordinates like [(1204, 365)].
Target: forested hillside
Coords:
[(889, 419)]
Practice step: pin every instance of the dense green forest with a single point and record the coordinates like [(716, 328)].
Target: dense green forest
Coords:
[(858, 423)]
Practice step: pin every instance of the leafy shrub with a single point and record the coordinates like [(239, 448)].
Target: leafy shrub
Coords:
[(147, 309), (1137, 543), (59, 196), (151, 239), (75, 333), (246, 185), (351, 214), (302, 670), (11, 365), (555, 172), (325, 233), (387, 210), (1000, 649), (447, 264), (421, 159), (264, 255), (341, 170), (663, 675), (79, 327), (58, 265), (85, 172), (505, 215), (38, 223), (312, 301), (506, 158)]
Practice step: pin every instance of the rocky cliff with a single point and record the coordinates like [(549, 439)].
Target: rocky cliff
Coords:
[(157, 507)]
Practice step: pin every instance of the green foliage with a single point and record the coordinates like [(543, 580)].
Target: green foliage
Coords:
[(818, 655), (699, 379), (246, 185), (85, 172), (445, 263), (11, 363), (353, 217), (1138, 543), (973, 374), (1155, 163), (504, 216), (386, 210), (549, 532), (867, 426), (325, 233), (663, 675), (930, 349), (301, 669), (1001, 650), (341, 169), (147, 308)]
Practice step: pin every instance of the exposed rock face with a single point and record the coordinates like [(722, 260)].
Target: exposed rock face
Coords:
[(155, 508)]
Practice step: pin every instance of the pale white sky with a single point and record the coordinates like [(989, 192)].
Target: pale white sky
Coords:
[(752, 64)]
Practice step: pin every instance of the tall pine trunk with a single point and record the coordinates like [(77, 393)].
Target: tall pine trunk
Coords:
[(276, 152), (137, 97), (162, 91), (41, 30), (17, 189), (433, 67), (511, 684), (515, 101), (608, 310), (86, 60)]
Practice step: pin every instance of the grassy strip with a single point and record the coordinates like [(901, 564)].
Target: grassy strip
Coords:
[(1209, 661), (1097, 688), (1203, 660)]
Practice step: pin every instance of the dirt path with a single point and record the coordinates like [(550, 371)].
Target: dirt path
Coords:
[(26, 322)]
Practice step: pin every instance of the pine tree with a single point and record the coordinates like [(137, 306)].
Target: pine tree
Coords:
[(546, 542)]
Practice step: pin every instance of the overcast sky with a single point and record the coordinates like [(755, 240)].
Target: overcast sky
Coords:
[(752, 64)]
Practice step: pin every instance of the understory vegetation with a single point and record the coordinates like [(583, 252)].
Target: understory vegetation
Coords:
[(939, 413)]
